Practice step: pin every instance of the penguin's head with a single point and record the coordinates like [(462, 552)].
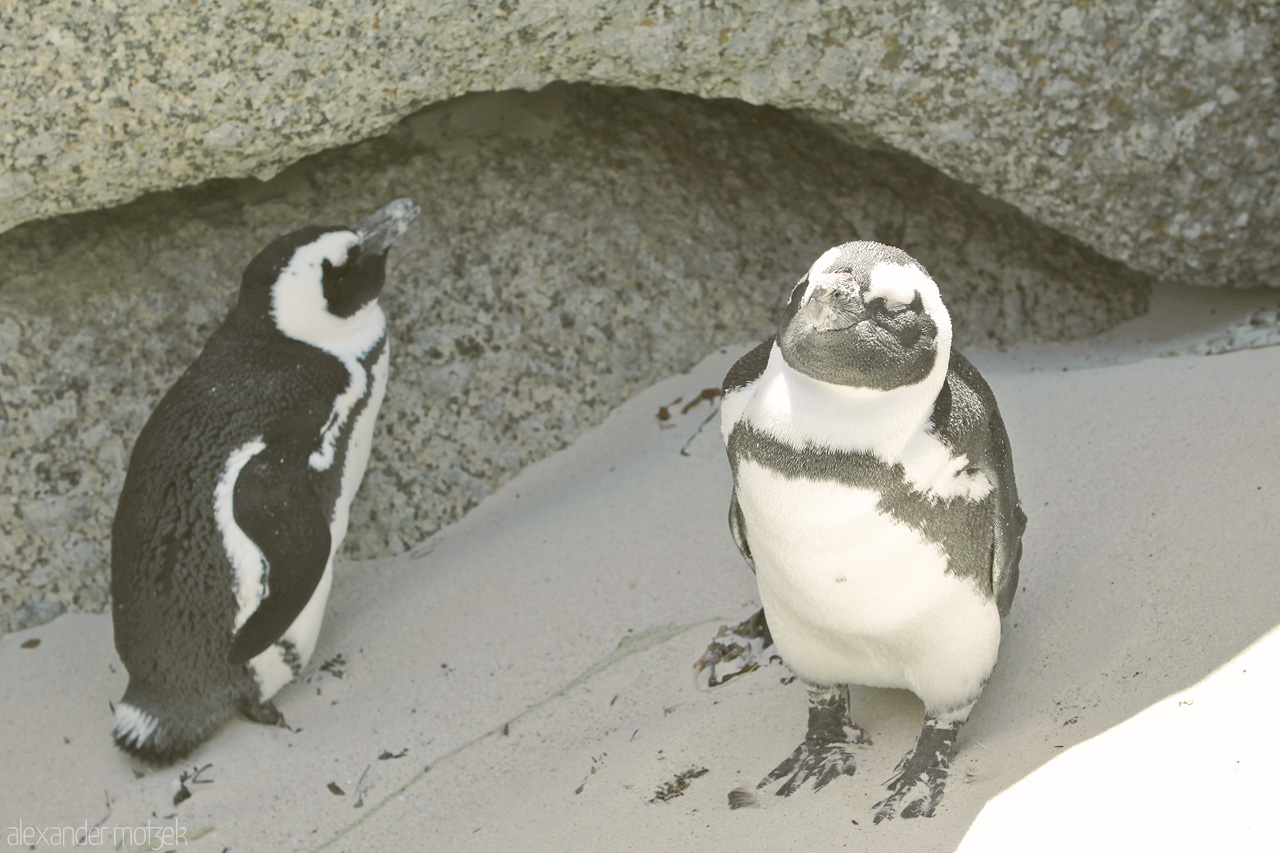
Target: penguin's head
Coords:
[(320, 285), (866, 315)]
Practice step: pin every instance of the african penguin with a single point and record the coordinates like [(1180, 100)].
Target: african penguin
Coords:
[(874, 498), (238, 489)]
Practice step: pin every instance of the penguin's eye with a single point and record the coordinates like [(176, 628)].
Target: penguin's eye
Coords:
[(892, 307)]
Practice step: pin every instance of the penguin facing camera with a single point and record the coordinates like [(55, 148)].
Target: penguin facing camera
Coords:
[(874, 498), (239, 486)]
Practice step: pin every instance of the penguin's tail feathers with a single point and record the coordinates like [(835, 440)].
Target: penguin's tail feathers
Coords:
[(155, 737)]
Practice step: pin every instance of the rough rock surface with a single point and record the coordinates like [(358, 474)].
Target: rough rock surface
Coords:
[(575, 245), (1148, 129)]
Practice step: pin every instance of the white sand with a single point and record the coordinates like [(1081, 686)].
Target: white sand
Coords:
[(537, 656)]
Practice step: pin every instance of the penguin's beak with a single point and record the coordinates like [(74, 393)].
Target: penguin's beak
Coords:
[(378, 231), (830, 309)]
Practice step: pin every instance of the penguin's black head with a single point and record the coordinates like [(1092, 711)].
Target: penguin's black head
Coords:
[(866, 315), (320, 284)]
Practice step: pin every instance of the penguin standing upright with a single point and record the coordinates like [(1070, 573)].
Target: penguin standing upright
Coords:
[(873, 496), (239, 487)]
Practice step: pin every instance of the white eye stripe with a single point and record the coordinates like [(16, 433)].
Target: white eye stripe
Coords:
[(339, 259), (897, 285), (300, 310), (828, 258)]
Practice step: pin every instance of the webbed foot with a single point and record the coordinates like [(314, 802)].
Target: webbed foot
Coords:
[(817, 760), (827, 753), (916, 790)]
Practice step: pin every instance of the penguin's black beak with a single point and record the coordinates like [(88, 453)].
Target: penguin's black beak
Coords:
[(831, 309), (378, 231)]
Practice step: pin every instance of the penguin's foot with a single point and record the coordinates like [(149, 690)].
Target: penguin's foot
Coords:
[(821, 761), (916, 790), (735, 651), (827, 752), (263, 712)]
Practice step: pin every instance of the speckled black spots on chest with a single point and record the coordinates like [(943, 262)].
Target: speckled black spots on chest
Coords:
[(947, 522)]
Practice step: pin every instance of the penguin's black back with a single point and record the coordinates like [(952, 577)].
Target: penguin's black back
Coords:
[(967, 419)]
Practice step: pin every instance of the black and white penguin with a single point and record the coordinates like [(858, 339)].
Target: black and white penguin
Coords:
[(239, 487), (874, 498)]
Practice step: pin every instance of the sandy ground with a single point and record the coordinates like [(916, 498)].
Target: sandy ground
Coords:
[(523, 681)]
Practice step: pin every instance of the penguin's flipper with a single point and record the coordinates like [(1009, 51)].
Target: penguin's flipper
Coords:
[(968, 419), (737, 388), (738, 527), (1011, 521), (747, 370), (276, 507), (738, 650)]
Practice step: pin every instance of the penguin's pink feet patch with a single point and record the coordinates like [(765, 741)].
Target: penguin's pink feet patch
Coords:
[(735, 651)]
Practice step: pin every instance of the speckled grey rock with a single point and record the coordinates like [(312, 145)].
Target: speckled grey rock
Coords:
[(575, 245), (1149, 129), (1260, 329)]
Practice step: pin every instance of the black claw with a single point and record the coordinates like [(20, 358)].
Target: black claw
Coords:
[(833, 770), (819, 762), (916, 808), (786, 768)]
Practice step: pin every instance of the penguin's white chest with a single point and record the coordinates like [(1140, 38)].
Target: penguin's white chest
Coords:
[(854, 596), (359, 446), (279, 664)]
